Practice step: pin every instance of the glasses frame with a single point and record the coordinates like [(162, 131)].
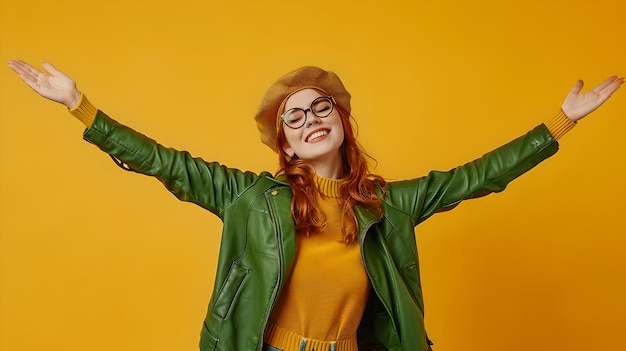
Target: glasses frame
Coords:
[(310, 109)]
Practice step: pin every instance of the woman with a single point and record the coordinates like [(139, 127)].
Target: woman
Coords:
[(321, 256)]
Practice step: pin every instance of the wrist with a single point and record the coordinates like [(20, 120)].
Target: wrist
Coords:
[(85, 111), (560, 125), (74, 99)]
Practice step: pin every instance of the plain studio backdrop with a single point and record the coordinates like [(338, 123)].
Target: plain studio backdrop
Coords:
[(95, 258)]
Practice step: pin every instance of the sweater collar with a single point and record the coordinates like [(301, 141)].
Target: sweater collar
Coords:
[(328, 187)]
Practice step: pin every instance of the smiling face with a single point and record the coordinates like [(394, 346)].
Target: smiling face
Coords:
[(319, 140)]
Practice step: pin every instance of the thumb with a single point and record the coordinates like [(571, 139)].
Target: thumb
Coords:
[(48, 67), (577, 87)]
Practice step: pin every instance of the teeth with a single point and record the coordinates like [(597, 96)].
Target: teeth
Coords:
[(317, 135)]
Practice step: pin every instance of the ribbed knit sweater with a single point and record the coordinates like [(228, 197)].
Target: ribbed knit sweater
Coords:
[(324, 297)]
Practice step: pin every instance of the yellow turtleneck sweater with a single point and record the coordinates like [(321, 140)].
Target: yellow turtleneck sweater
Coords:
[(324, 297)]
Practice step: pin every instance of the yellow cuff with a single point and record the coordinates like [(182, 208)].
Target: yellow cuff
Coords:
[(85, 111), (559, 125)]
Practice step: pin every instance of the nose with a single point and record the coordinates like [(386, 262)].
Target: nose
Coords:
[(311, 118)]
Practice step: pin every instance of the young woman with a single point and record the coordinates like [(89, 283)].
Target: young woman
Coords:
[(322, 255)]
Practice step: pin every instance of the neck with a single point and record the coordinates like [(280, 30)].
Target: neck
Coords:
[(328, 166), (328, 170)]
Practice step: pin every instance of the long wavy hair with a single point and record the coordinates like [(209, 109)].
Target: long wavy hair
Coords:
[(357, 188)]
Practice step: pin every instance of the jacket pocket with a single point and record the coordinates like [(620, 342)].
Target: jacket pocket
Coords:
[(411, 277), (230, 290), (207, 341)]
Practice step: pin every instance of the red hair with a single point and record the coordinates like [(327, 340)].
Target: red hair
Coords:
[(357, 188)]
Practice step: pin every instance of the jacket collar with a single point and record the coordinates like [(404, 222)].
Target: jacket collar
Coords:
[(365, 217), (280, 179)]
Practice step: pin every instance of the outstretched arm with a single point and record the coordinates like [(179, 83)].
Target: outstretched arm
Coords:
[(491, 173), (207, 184), (54, 85)]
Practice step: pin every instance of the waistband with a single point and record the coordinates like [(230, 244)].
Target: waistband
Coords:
[(287, 340)]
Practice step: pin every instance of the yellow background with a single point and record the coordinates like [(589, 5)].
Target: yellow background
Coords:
[(94, 258)]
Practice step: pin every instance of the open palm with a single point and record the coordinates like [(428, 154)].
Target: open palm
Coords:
[(55, 85), (577, 106)]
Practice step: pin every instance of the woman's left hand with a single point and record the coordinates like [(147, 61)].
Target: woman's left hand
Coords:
[(577, 106)]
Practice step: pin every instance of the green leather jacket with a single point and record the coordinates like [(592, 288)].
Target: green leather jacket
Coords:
[(258, 240)]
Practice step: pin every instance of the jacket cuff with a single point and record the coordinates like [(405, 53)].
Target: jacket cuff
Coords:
[(85, 111), (560, 125)]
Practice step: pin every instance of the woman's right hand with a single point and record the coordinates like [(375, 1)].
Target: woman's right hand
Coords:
[(55, 85)]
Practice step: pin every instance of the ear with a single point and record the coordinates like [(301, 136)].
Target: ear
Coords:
[(288, 150)]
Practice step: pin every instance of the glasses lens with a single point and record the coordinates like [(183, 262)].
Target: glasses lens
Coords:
[(322, 106), (294, 118)]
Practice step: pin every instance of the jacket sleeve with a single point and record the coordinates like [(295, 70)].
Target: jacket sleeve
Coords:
[(440, 191), (207, 184)]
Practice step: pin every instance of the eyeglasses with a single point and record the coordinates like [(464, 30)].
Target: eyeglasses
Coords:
[(321, 107)]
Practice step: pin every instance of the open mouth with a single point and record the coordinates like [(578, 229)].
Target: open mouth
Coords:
[(317, 135)]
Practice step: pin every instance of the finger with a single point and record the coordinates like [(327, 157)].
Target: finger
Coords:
[(14, 66), (609, 88), (578, 86), (606, 83), (29, 74), (24, 69), (21, 69), (18, 66), (31, 77), (48, 67)]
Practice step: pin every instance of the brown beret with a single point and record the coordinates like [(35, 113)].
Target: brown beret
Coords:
[(301, 78)]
